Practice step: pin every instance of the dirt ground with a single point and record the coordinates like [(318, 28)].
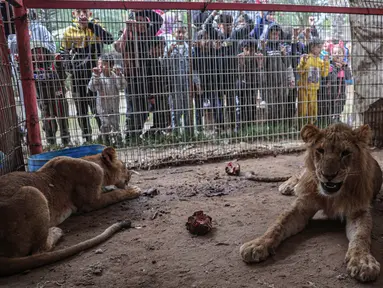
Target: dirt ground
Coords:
[(160, 252)]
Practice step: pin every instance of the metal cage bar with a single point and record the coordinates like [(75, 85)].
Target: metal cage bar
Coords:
[(99, 4), (246, 106), (27, 80)]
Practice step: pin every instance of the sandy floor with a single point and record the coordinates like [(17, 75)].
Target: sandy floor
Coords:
[(163, 254)]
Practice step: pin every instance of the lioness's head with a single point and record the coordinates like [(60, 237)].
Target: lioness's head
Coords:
[(335, 154), (115, 171)]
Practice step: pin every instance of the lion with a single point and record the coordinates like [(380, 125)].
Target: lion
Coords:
[(341, 178), (33, 204)]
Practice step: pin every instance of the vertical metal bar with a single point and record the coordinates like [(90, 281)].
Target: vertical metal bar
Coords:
[(27, 81), (136, 41), (13, 142)]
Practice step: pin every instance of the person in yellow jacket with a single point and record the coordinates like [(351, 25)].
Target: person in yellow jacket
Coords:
[(311, 68), (81, 46)]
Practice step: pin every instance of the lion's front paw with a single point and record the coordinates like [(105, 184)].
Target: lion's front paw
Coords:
[(135, 192), (56, 232), (362, 267), (255, 251), (287, 187)]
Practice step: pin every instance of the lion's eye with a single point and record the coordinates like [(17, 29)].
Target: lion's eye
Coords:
[(320, 150), (345, 153)]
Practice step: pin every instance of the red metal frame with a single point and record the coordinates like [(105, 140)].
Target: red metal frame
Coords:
[(9, 144), (120, 4), (16, 3), (27, 80)]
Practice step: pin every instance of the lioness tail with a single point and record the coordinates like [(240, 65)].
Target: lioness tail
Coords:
[(10, 266)]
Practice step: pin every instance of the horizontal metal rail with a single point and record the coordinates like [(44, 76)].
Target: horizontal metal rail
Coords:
[(102, 4)]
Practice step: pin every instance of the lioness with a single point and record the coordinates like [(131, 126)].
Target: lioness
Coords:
[(33, 204), (341, 178)]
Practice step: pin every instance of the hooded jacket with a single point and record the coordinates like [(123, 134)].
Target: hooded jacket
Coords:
[(259, 26), (37, 33), (275, 63), (227, 53), (231, 40)]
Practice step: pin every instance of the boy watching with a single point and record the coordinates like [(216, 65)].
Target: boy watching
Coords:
[(48, 73), (311, 68), (107, 81)]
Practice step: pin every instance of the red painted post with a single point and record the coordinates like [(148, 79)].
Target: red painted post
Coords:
[(27, 80)]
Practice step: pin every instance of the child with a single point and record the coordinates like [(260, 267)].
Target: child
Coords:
[(48, 75), (327, 47), (107, 84), (311, 68), (177, 64), (339, 73)]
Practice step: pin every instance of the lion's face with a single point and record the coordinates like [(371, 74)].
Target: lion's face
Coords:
[(115, 171), (335, 153), (123, 175)]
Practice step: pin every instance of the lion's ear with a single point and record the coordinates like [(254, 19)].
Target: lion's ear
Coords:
[(109, 155), (363, 134), (309, 133)]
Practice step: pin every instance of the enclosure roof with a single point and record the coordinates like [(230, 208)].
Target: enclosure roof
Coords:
[(321, 6), (369, 4)]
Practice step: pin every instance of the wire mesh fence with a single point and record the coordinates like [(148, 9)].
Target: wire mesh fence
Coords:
[(11, 155), (174, 85)]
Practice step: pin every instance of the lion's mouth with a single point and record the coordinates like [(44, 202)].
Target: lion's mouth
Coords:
[(330, 187)]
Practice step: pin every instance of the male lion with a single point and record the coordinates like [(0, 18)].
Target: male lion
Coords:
[(341, 178), (33, 204)]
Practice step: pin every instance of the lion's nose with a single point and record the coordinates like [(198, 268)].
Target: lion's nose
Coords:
[(329, 177)]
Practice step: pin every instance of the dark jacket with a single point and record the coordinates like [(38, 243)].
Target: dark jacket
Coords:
[(231, 39), (49, 77), (276, 65), (336, 86), (156, 78), (200, 17), (207, 66), (227, 54), (260, 22)]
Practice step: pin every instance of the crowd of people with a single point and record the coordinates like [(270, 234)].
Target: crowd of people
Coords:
[(220, 74)]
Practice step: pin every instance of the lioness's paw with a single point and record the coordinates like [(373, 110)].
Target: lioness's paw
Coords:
[(287, 188), (57, 232), (255, 251), (362, 267), (135, 191), (54, 236)]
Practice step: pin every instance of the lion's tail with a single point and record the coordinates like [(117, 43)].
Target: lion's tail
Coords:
[(252, 177), (10, 266)]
